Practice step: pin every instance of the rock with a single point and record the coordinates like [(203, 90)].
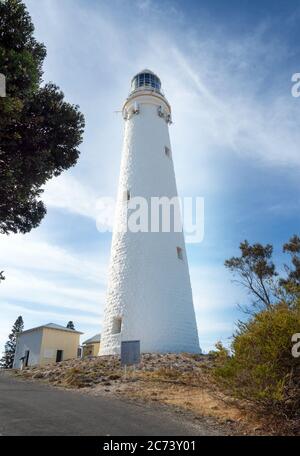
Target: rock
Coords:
[(214, 407), (88, 379), (114, 376), (258, 428), (38, 375), (229, 421)]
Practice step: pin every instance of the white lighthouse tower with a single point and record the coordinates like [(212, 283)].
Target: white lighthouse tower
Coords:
[(149, 295)]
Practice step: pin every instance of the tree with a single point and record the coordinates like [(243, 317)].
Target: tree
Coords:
[(10, 346), (40, 132), (291, 283), (256, 272), (70, 325)]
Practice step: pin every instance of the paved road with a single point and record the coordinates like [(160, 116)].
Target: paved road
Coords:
[(30, 408)]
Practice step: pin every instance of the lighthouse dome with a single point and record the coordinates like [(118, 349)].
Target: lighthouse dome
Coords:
[(145, 79)]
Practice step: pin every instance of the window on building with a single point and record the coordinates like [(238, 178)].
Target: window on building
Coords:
[(145, 80), (179, 253), (168, 151), (117, 325), (126, 195)]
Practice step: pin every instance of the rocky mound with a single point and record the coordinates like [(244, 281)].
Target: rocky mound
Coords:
[(79, 373)]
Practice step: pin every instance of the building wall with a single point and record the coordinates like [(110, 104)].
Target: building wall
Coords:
[(31, 341), (91, 349), (54, 340), (148, 287)]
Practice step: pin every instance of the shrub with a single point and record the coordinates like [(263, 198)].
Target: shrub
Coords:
[(262, 368), (220, 354)]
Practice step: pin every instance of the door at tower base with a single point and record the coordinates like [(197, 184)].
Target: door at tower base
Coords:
[(130, 352), (149, 296)]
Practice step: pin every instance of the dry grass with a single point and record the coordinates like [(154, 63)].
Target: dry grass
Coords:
[(181, 381)]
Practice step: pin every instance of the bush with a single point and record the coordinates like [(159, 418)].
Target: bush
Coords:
[(220, 354), (262, 368)]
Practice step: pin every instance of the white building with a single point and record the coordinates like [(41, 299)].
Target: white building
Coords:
[(149, 295), (46, 344)]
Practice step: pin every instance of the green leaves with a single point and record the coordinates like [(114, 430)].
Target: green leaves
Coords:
[(262, 368), (10, 346), (40, 132)]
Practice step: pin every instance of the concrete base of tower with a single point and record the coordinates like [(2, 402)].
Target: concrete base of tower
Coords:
[(114, 348), (111, 345)]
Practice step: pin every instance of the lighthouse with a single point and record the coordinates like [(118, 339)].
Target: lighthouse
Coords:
[(149, 296)]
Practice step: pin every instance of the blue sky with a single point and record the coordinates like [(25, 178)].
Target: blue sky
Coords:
[(226, 69)]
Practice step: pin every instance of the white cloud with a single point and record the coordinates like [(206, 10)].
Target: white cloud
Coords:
[(45, 282), (68, 193), (221, 97), (27, 252), (32, 318), (46, 316), (29, 288)]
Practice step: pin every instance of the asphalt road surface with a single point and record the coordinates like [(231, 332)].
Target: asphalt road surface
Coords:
[(31, 408)]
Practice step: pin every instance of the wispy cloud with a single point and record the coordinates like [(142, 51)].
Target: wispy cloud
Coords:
[(30, 253), (45, 281), (69, 194), (231, 99)]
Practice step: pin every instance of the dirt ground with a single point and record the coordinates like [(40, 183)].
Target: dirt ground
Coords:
[(181, 382)]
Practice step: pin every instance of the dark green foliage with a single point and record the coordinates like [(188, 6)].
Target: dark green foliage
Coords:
[(70, 325), (262, 367), (10, 346), (40, 132)]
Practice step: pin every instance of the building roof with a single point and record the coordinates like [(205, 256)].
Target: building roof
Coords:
[(96, 338), (52, 326), (145, 71)]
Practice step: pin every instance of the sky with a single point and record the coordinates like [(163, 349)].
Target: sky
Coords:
[(226, 70)]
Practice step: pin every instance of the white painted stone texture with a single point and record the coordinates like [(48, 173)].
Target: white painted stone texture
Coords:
[(149, 288)]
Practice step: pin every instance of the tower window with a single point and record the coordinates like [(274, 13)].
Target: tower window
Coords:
[(168, 152), (179, 253), (126, 195), (145, 80), (117, 325)]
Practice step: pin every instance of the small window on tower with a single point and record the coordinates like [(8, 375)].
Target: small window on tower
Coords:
[(117, 325), (168, 152), (126, 195), (179, 253)]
